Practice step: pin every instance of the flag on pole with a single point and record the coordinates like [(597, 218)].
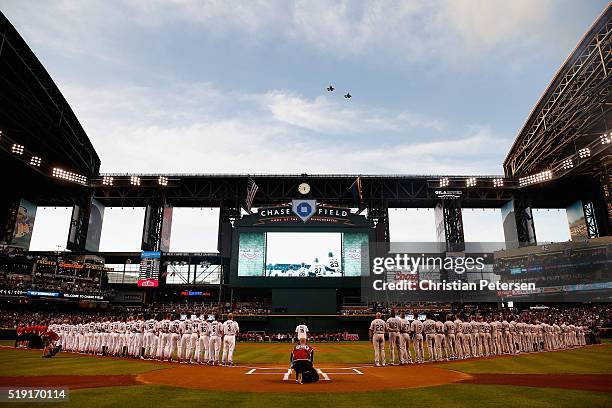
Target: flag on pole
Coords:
[(357, 191), (252, 188)]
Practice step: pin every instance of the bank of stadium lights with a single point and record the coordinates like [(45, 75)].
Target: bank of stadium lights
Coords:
[(498, 182), (470, 182), (67, 175), (107, 180), (135, 180), (535, 178), (567, 164), (162, 181), (35, 161), (17, 149), (444, 182), (584, 153), (606, 138)]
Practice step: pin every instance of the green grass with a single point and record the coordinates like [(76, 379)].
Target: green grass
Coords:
[(455, 395), (31, 363), (590, 360)]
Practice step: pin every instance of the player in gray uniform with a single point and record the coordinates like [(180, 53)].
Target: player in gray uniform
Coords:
[(377, 337), (440, 341), (468, 348), (450, 339), (459, 338), (416, 327), (429, 327), (393, 326), (405, 357)]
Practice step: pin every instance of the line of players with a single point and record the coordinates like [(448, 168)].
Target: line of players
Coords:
[(455, 339), (191, 340)]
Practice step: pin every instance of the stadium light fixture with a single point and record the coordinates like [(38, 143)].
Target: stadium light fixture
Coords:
[(470, 182), (107, 180), (606, 138), (17, 149), (498, 182), (444, 182), (162, 181), (67, 175), (584, 153), (135, 180), (567, 164), (535, 178), (35, 161)]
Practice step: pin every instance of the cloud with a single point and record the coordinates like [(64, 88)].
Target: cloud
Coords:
[(198, 128), (456, 32)]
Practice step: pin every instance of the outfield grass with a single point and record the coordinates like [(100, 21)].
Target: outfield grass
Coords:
[(454, 395), (590, 360), (30, 363)]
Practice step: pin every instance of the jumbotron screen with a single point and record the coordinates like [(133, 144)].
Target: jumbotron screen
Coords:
[(301, 254)]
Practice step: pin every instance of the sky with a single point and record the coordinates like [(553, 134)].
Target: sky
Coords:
[(439, 87)]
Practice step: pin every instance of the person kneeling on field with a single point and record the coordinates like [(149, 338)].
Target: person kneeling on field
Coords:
[(302, 358), (49, 339)]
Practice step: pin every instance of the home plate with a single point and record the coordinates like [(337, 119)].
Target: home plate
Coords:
[(325, 374)]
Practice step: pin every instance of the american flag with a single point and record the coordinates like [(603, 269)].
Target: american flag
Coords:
[(251, 191), (357, 191)]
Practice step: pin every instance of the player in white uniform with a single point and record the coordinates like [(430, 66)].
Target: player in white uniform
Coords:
[(186, 347), (317, 269), (164, 339), (301, 331), (195, 338), (202, 350), (148, 341), (377, 337), (175, 339), (230, 330), (393, 328), (216, 333)]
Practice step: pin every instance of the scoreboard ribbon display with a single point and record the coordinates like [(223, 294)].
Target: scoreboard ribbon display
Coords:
[(149, 269)]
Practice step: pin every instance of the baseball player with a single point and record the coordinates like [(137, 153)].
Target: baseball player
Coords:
[(301, 331), (148, 342), (417, 328), (377, 337), (429, 327), (216, 332), (175, 339), (194, 338), (459, 338), (203, 341), (230, 329), (468, 349), (440, 341), (185, 348), (164, 339), (405, 357), (449, 333), (393, 327)]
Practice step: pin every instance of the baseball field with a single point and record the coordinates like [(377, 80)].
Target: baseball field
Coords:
[(578, 377)]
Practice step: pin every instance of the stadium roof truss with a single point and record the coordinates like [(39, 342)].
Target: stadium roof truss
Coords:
[(574, 111)]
